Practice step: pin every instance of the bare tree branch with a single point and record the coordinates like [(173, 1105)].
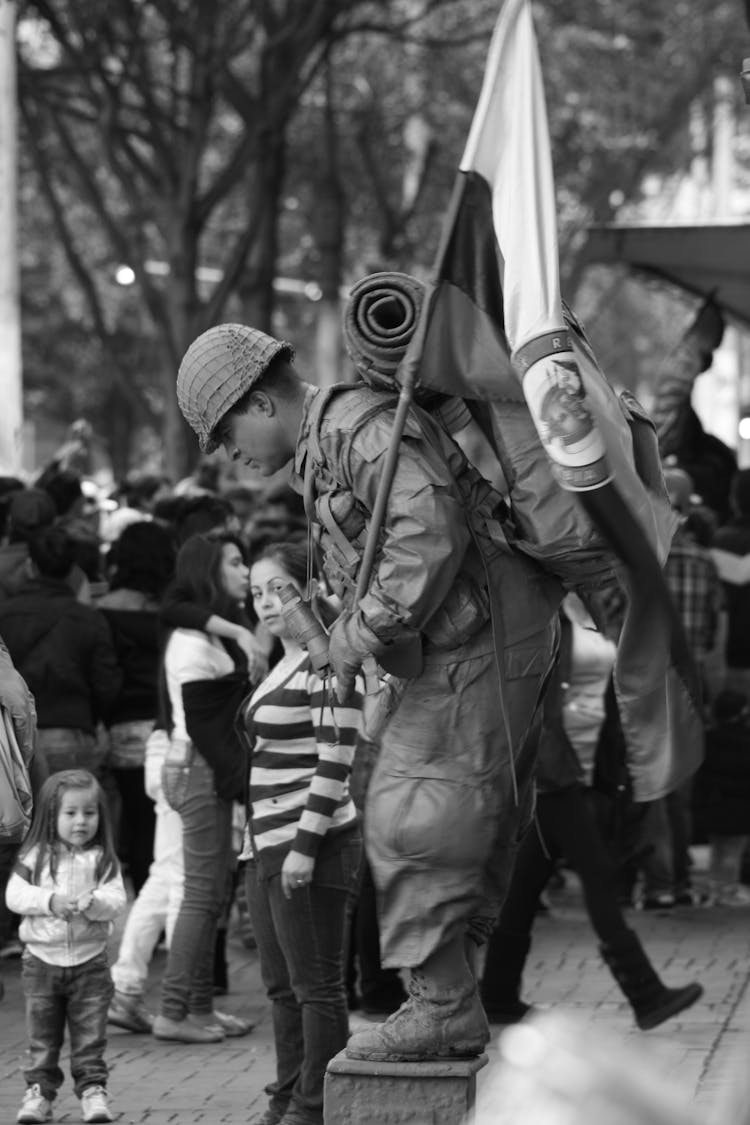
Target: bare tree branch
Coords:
[(82, 273)]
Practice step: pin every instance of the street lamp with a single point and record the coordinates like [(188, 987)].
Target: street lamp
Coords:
[(124, 275)]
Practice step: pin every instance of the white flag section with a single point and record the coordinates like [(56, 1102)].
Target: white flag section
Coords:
[(509, 146)]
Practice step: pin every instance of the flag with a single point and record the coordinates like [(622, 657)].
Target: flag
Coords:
[(493, 331)]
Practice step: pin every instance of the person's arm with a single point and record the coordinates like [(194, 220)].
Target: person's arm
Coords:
[(671, 411), (24, 897), (335, 733), (107, 900), (179, 613), (422, 547), (425, 533)]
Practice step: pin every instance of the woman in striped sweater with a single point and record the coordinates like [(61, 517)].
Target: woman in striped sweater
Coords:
[(303, 847)]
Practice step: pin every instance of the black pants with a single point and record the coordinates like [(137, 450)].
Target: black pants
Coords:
[(565, 828), (137, 823)]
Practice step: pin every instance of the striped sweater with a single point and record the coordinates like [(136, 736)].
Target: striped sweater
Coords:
[(301, 759)]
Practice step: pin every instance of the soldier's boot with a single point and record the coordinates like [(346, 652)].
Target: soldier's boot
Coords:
[(443, 1018)]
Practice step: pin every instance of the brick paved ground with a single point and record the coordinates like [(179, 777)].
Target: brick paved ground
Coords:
[(160, 1083)]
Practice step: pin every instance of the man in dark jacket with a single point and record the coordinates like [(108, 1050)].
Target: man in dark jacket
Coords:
[(64, 651)]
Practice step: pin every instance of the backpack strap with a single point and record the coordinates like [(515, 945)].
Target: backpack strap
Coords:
[(352, 416)]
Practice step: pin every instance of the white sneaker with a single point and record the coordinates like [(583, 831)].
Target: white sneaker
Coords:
[(94, 1104), (35, 1106)]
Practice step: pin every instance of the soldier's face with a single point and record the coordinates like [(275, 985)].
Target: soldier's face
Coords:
[(258, 440)]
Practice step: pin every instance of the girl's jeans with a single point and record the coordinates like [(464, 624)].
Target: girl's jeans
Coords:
[(187, 986), (157, 906), (78, 995), (301, 945)]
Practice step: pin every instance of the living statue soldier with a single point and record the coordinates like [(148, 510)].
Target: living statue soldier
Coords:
[(465, 619)]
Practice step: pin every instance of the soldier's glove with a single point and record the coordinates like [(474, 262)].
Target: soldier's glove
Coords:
[(349, 643)]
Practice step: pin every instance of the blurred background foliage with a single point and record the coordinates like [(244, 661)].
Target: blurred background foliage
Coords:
[(185, 162)]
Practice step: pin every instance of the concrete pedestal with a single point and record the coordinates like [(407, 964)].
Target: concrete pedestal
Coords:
[(359, 1092)]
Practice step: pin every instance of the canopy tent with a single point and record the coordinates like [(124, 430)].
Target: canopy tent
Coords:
[(708, 261)]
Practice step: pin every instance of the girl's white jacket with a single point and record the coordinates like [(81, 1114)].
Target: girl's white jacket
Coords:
[(50, 938)]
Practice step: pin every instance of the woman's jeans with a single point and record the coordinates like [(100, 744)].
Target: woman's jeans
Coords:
[(79, 996), (187, 986), (301, 944)]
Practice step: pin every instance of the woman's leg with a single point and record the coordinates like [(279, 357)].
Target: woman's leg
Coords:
[(206, 828), (144, 924), (286, 1013), (509, 945), (169, 860), (311, 927), (382, 990), (574, 829)]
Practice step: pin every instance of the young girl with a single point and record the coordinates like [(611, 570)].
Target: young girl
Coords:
[(68, 888), (303, 848)]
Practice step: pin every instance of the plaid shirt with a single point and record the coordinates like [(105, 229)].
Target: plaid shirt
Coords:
[(694, 583)]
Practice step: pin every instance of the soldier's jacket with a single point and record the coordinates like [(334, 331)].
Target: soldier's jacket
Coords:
[(443, 536)]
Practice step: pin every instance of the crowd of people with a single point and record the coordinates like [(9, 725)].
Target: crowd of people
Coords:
[(191, 753), (139, 625)]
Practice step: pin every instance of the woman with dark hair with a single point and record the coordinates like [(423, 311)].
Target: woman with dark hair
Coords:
[(143, 559), (199, 782), (303, 848)]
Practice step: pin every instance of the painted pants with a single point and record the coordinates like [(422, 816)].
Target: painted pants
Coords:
[(444, 814)]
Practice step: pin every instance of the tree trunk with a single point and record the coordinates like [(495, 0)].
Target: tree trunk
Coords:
[(119, 426), (11, 415), (328, 231), (255, 289)]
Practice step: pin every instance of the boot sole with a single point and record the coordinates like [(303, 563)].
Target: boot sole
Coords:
[(685, 998), (459, 1051)]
